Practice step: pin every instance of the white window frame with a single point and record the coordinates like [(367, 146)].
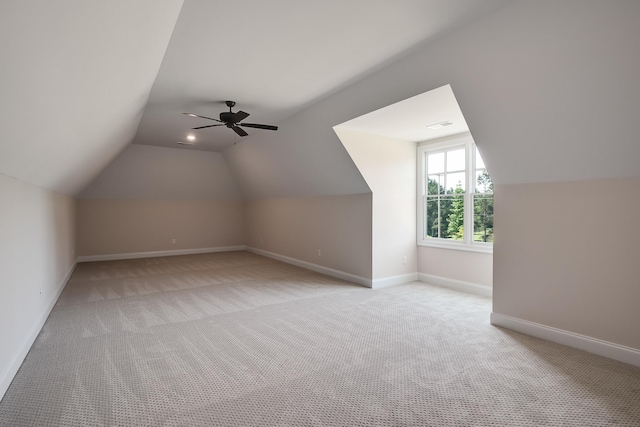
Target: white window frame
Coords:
[(467, 244)]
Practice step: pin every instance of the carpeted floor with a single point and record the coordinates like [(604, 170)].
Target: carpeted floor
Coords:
[(235, 339)]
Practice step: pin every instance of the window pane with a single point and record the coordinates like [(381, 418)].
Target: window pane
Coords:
[(483, 182), (430, 227), (479, 161), (455, 160), (435, 163), (445, 217), (435, 184), (455, 182), (455, 217), (483, 218)]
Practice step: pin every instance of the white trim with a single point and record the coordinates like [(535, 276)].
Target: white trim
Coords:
[(465, 141), (582, 342), (133, 255), (384, 282), (18, 357), (457, 285), (313, 267), (443, 244), (447, 141)]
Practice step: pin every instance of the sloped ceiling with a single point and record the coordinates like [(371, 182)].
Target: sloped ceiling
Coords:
[(549, 90), (275, 57), (144, 172), (413, 119), (75, 78)]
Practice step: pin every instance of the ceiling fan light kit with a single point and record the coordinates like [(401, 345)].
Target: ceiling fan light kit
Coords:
[(232, 121)]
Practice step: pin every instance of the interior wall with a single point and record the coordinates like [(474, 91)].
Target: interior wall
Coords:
[(109, 227), (389, 167), (466, 266), (566, 256), (37, 255), (150, 196), (338, 226)]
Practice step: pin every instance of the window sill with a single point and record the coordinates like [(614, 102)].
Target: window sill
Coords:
[(487, 249)]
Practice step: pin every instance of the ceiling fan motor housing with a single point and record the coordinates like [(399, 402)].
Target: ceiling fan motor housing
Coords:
[(227, 117)]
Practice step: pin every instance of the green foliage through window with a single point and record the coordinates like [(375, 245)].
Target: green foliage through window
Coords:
[(483, 209), (446, 196)]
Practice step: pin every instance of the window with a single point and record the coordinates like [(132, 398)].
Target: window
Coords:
[(456, 196)]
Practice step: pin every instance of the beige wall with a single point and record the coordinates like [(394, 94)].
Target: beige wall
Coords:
[(36, 255), (151, 195), (471, 267), (340, 226), (389, 168), (566, 255), (127, 226)]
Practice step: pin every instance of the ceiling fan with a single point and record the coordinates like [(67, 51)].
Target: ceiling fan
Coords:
[(232, 120)]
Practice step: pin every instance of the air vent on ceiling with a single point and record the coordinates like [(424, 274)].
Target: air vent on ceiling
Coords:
[(440, 125), (187, 142)]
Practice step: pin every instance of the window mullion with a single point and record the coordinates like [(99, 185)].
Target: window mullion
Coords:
[(468, 226)]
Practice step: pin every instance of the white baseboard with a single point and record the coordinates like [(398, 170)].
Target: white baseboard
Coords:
[(314, 267), (133, 255), (458, 285), (16, 361), (384, 282), (582, 342)]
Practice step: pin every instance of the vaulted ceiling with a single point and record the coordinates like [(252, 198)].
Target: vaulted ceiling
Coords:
[(548, 89), (75, 79), (273, 58), (77, 76)]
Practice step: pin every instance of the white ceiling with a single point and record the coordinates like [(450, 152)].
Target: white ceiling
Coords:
[(274, 58), (409, 120)]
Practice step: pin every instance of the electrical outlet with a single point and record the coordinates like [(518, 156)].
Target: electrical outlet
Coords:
[(404, 259), (173, 241), (319, 252)]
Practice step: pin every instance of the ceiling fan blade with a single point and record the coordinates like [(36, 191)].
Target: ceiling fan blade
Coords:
[(239, 131), (257, 126), (203, 127), (240, 116), (202, 117)]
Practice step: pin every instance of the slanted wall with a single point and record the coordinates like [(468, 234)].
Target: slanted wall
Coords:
[(389, 167)]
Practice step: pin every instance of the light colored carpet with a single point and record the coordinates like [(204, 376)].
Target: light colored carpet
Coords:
[(235, 339)]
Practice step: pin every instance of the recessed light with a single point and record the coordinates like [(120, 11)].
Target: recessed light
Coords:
[(440, 125), (191, 137)]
